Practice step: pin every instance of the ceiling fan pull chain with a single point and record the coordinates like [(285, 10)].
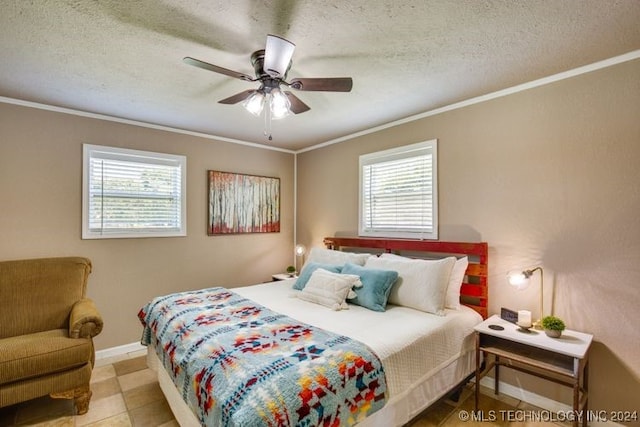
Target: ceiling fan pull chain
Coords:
[(267, 120), (265, 111)]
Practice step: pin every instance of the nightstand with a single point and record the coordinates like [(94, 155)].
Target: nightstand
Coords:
[(281, 276), (562, 360)]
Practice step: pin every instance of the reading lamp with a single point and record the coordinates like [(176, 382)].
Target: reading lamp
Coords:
[(300, 250), (520, 280)]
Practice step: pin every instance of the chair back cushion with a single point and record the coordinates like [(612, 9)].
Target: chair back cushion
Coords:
[(37, 294)]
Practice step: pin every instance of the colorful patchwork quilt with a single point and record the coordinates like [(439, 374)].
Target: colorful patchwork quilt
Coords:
[(237, 363)]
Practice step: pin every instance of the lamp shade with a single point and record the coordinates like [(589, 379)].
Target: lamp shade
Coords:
[(277, 56), (518, 279), (300, 249)]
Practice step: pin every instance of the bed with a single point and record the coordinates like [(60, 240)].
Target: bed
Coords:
[(421, 355)]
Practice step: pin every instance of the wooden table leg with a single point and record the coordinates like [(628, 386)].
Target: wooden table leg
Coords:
[(585, 391), (496, 379), (576, 402), (477, 394)]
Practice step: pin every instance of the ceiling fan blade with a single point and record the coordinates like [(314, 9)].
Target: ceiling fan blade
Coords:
[(329, 84), (297, 106), (216, 69), (238, 97)]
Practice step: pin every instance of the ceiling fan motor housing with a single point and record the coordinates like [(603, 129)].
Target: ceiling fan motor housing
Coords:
[(257, 61)]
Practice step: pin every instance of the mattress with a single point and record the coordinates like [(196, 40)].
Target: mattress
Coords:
[(424, 355)]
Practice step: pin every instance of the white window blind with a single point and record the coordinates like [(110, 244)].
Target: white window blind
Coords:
[(131, 193), (398, 192)]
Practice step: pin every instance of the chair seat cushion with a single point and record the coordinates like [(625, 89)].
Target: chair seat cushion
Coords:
[(41, 353)]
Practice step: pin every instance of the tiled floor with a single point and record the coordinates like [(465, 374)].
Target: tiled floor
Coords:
[(126, 393)]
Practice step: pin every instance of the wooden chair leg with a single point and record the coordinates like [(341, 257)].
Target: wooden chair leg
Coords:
[(82, 400), (81, 397)]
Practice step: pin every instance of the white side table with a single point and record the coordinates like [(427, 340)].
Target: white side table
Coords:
[(562, 360)]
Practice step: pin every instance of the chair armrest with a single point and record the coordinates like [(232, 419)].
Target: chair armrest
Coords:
[(85, 320)]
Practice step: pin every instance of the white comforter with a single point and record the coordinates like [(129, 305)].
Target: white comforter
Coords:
[(411, 344)]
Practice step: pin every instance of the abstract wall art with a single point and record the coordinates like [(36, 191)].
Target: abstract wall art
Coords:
[(240, 203)]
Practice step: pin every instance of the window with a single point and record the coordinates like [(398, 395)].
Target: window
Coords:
[(398, 192), (130, 193)]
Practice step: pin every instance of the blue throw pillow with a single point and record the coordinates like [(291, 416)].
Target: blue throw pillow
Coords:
[(376, 286), (308, 270)]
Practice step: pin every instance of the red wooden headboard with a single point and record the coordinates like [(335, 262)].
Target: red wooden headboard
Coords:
[(474, 289)]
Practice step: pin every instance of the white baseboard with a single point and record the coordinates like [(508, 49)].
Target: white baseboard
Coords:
[(526, 396), (540, 401), (120, 350)]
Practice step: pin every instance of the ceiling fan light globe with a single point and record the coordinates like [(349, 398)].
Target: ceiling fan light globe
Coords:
[(254, 103), (277, 56), (279, 104)]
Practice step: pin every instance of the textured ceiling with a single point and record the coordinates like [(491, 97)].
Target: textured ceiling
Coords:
[(123, 58)]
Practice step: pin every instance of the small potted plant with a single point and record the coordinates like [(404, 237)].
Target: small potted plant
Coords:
[(291, 270), (553, 326)]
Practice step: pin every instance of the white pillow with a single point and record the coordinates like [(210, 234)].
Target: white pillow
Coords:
[(330, 289), (421, 284), (329, 256), (452, 300)]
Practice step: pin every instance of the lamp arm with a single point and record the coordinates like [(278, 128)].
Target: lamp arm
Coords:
[(528, 274)]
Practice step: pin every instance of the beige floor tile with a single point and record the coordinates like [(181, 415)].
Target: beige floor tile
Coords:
[(102, 373), (490, 411), (422, 422), (455, 421), (143, 395), (152, 414), (58, 422), (101, 409), (120, 420), (464, 415), (534, 414), (172, 423), (531, 424), (511, 401), (136, 379), (105, 388), (43, 410), (466, 392), (434, 415)]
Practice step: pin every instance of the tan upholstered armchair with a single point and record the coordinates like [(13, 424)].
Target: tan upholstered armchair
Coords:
[(46, 330)]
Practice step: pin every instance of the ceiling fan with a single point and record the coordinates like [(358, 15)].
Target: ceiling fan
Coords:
[(271, 66)]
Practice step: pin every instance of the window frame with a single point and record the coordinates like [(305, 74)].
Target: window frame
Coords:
[(430, 146), (90, 152)]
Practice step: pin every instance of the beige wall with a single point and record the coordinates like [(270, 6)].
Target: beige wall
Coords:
[(40, 195), (549, 176)]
